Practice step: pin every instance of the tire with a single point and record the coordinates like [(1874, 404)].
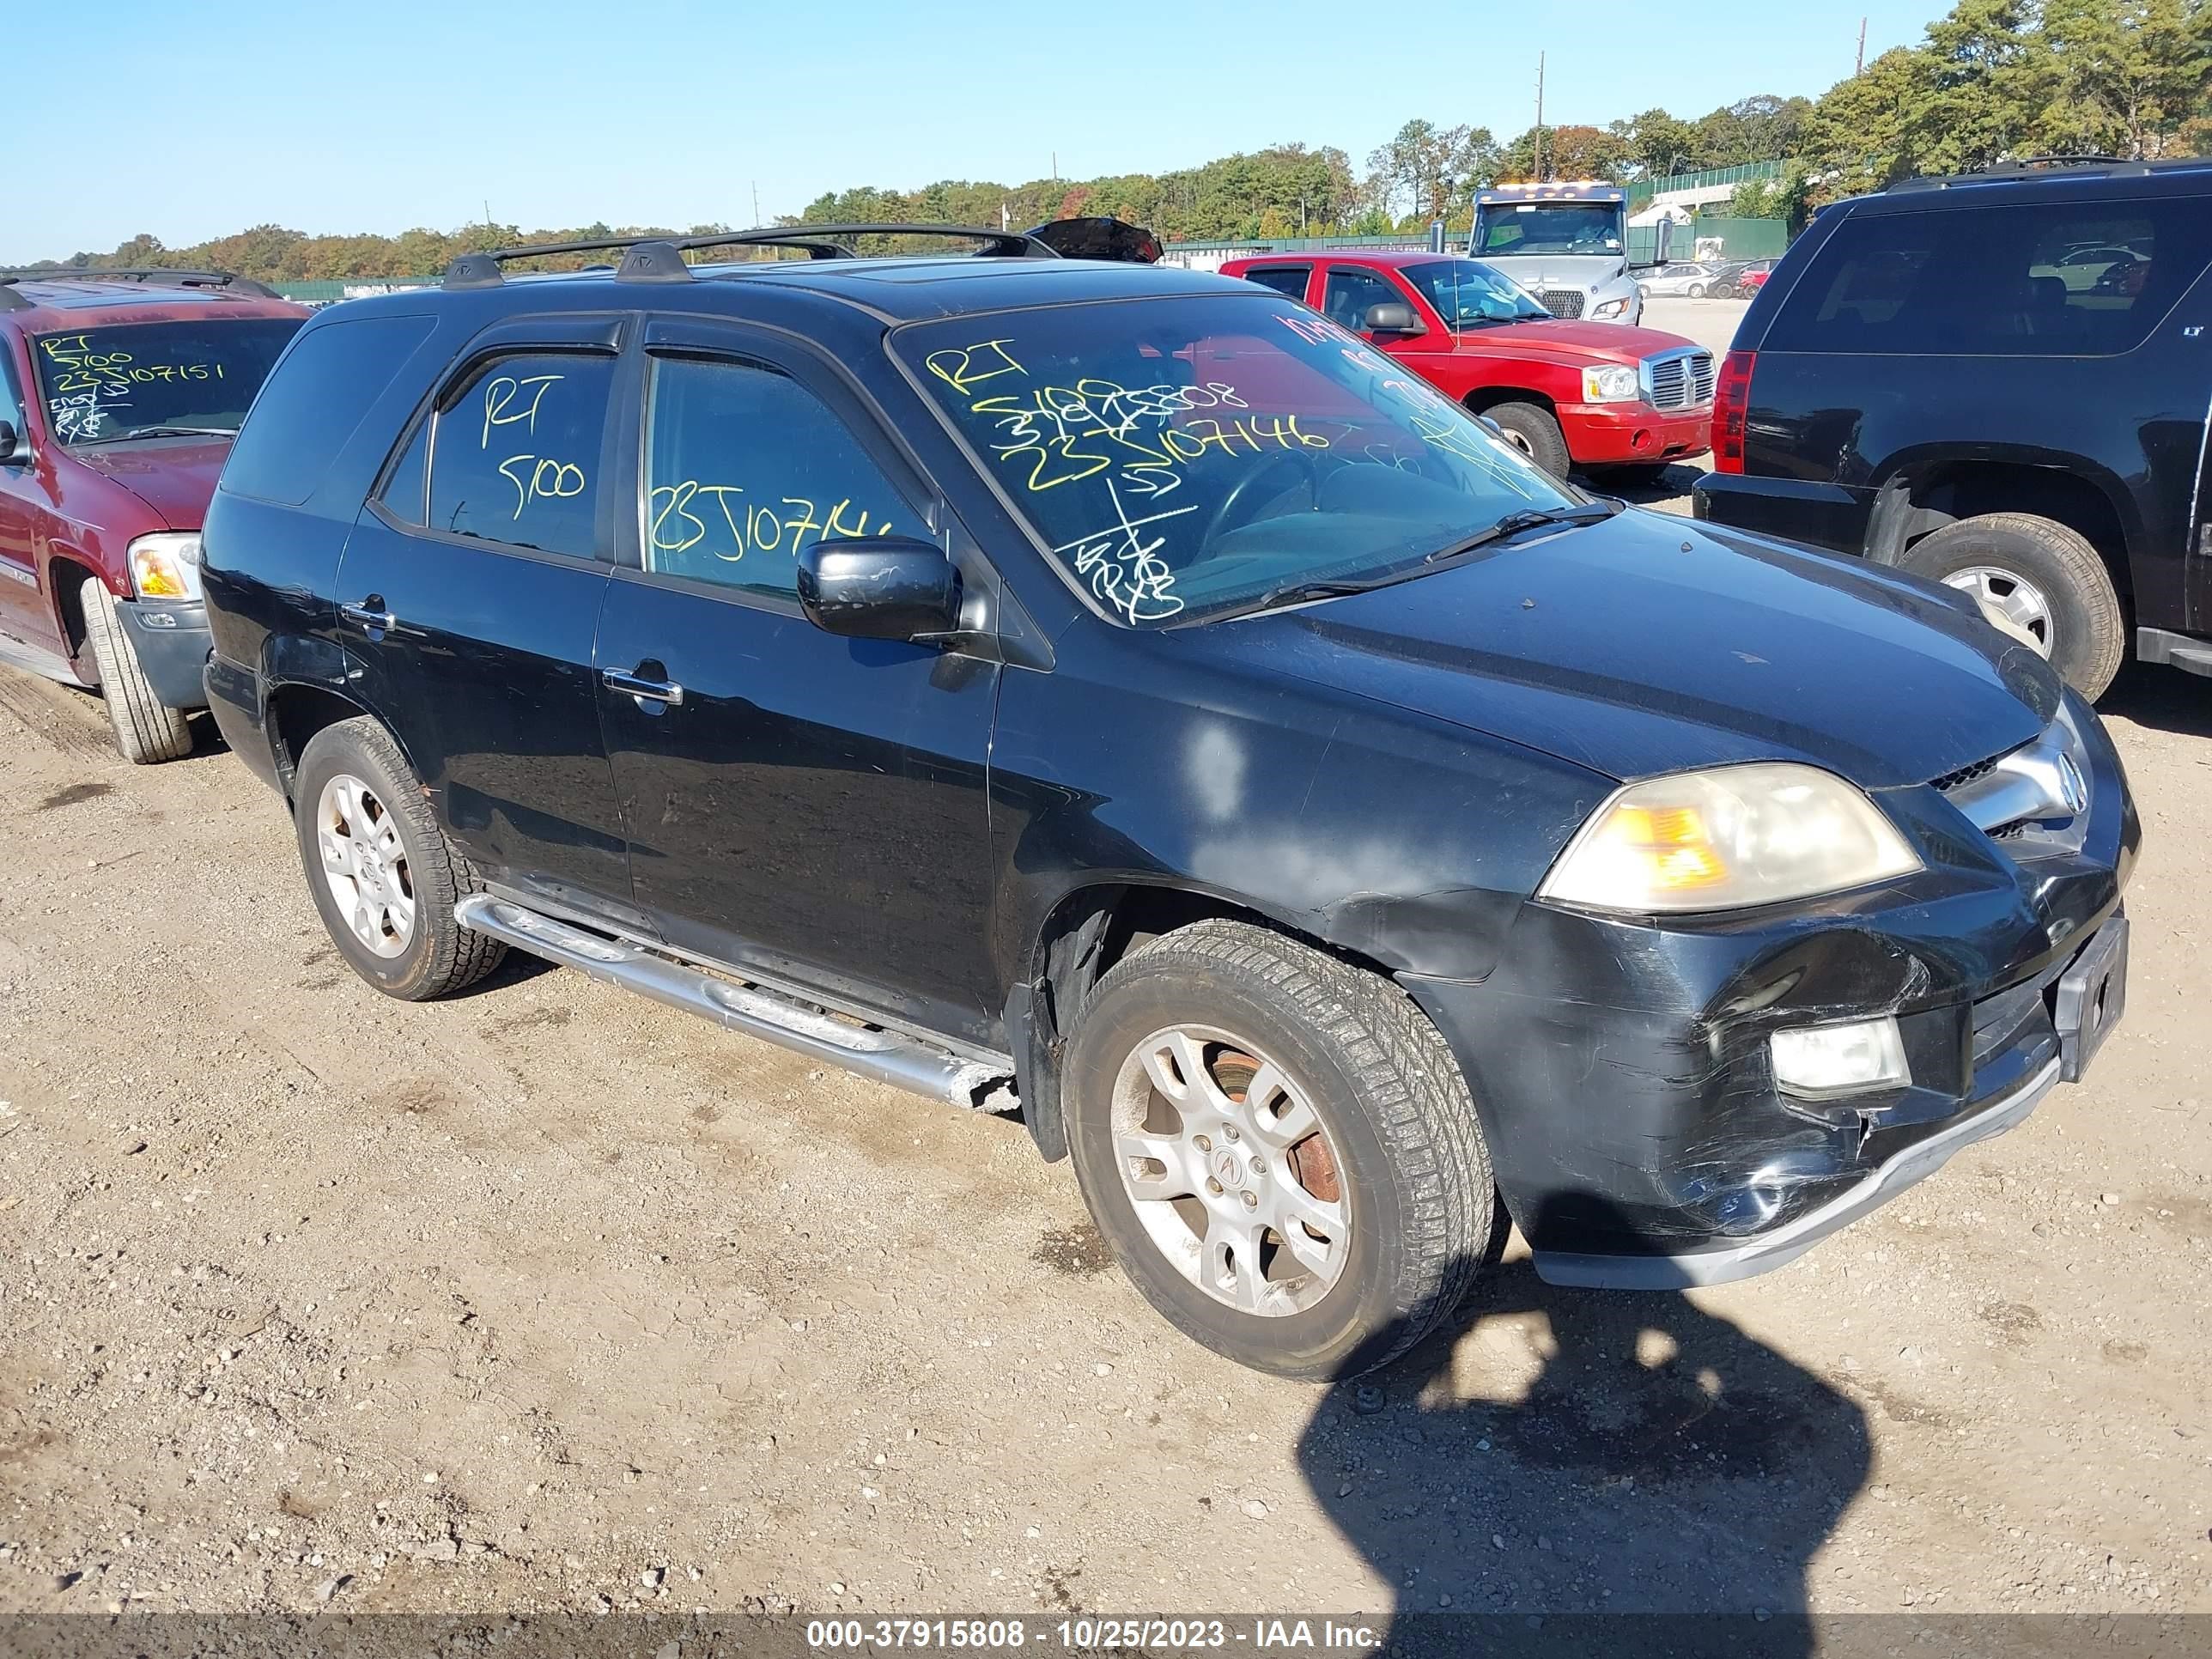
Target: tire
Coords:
[(2055, 573), (1400, 1148), (1530, 429), (146, 728), (432, 955), (1695, 291)]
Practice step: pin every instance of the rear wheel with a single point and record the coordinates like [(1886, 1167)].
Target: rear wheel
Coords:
[(146, 728), (381, 871), (1532, 430), (1279, 1148), (2043, 578)]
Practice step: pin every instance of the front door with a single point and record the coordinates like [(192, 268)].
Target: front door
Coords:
[(470, 592), (28, 634), (811, 806)]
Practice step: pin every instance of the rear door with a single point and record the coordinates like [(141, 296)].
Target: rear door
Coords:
[(809, 807), (469, 591), (1288, 280)]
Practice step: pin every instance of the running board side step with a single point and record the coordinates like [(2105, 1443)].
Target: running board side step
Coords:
[(891, 1057)]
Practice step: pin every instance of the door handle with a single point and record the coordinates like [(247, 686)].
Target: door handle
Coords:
[(645, 691), (370, 614)]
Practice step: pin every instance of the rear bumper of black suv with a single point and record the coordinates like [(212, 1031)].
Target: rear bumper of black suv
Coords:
[(1622, 1070)]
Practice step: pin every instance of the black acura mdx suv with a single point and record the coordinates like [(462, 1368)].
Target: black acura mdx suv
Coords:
[(2001, 381), (1120, 693)]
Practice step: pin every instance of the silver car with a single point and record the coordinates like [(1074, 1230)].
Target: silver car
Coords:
[(1682, 279)]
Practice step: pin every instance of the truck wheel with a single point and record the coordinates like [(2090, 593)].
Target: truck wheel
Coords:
[(146, 728), (1530, 429), (381, 871), (1279, 1148), (2046, 578)]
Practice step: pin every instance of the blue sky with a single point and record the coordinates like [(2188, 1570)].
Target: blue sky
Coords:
[(189, 121)]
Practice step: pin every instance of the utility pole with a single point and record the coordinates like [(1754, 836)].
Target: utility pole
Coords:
[(756, 204), (1540, 118), (1859, 68)]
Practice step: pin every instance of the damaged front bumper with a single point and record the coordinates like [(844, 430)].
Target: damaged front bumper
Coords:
[(1623, 1072)]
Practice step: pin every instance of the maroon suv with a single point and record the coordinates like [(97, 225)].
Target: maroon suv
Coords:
[(119, 394)]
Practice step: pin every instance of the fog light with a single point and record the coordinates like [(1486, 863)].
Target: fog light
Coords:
[(1824, 1060)]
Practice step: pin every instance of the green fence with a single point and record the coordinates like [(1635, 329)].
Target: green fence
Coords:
[(353, 288), (1740, 238), (1762, 173)]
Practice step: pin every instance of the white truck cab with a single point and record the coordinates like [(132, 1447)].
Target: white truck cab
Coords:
[(1568, 244)]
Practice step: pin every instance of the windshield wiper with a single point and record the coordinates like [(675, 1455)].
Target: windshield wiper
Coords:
[(1518, 524), (160, 432)]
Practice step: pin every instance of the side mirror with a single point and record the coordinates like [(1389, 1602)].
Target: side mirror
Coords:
[(1391, 317), (879, 588), (14, 452)]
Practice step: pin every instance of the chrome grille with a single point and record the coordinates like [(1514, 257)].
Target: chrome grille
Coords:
[(1682, 380), (1561, 301)]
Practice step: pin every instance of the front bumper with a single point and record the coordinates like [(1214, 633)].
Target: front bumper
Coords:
[(1634, 434), (172, 643), (1622, 1070)]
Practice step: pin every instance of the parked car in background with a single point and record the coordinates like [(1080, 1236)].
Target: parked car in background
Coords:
[(119, 394), (1753, 279), (1687, 279), (1728, 280), (2000, 381), (984, 674), (1619, 403)]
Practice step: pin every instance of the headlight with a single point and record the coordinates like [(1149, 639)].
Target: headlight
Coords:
[(166, 567), (1611, 308), (1610, 386), (1722, 840)]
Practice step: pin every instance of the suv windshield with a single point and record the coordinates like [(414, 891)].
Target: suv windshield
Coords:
[(1187, 457), (154, 379), (1550, 228), (1469, 294)]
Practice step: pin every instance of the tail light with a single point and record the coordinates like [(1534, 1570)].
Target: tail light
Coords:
[(1731, 400)]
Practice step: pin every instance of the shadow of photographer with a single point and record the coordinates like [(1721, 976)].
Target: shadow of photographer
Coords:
[(1553, 1455)]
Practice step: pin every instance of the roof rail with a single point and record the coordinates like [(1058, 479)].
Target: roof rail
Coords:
[(151, 275), (645, 261), (2111, 167)]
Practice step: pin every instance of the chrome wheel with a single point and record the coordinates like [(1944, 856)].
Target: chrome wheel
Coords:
[(1231, 1171), (2019, 600), (1518, 439), (365, 864)]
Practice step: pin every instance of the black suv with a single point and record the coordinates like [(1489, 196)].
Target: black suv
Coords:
[(1121, 693), (2001, 381)]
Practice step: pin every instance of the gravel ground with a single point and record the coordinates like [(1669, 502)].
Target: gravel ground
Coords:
[(549, 1297)]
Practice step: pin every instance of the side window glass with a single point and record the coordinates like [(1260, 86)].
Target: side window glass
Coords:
[(515, 454), (11, 406), (1349, 294), (406, 491), (744, 467), (1283, 279)]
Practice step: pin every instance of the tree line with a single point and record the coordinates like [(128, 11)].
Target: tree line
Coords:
[(1994, 80)]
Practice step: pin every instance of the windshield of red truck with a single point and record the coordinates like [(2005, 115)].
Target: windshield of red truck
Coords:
[(1510, 227), (155, 379), (1184, 456)]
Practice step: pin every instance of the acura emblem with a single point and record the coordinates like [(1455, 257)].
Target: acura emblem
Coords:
[(2070, 784)]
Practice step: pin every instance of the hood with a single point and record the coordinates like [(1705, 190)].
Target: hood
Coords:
[(175, 476), (1540, 271), (1647, 644), (1555, 340)]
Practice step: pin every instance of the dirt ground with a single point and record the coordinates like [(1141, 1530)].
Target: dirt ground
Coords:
[(547, 1296)]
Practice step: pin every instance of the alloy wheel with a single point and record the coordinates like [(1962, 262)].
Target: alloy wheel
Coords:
[(2019, 600), (1231, 1172), (365, 864)]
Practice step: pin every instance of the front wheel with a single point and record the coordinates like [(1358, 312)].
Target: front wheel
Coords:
[(2045, 579), (1279, 1148), (146, 728), (1532, 429)]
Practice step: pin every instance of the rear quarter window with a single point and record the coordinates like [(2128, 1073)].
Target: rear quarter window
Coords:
[(2034, 280), (312, 401)]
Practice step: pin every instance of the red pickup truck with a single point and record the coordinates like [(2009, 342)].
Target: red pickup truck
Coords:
[(1595, 396)]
